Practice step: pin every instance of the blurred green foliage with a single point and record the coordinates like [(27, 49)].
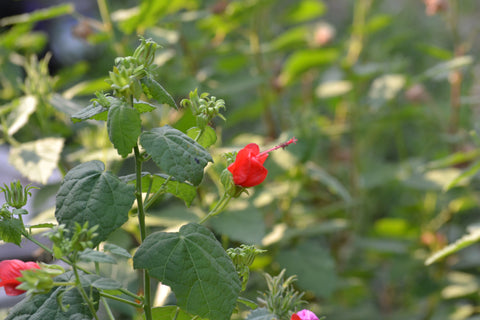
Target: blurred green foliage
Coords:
[(383, 97)]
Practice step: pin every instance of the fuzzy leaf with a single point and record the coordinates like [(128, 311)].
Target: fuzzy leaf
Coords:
[(193, 263), (206, 139), (124, 126), (11, 230), (176, 153), (93, 111), (155, 91), (261, 314), (88, 194), (171, 313), (89, 255)]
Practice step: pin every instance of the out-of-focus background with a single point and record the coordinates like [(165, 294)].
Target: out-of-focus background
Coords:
[(383, 96)]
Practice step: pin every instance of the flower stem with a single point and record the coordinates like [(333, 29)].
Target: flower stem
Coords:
[(143, 231), (132, 303), (83, 293), (219, 207)]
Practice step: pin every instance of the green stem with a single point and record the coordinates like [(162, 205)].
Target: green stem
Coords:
[(83, 293), (132, 303), (141, 220), (65, 284), (155, 196), (107, 308), (219, 207)]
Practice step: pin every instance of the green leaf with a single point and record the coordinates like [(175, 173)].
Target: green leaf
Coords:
[(143, 106), (124, 126), (206, 139), (313, 265), (182, 190), (88, 194), (89, 255), (93, 111), (38, 15), (442, 70), (59, 304), (66, 106), (304, 60), (153, 183), (36, 160), (466, 175), (23, 108), (463, 242), (261, 314), (11, 230), (170, 313), (119, 251), (102, 283), (193, 263), (176, 153), (155, 91), (306, 10)]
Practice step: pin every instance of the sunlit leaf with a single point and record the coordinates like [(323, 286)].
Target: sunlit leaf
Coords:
[(124, 127), (463, 242), (89, 194), (36, 160)]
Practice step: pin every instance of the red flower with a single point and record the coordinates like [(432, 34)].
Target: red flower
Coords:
[(10, 271), (248, 169), (295, 317)]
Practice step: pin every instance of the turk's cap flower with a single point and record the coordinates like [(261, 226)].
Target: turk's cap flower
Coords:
[(248, 169), (10, 271), (304, 315)]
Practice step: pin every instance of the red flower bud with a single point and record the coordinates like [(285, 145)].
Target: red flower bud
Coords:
[(10, 271), (248, 169)]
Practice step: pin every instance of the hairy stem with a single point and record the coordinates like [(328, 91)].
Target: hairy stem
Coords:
[(143, 231), (84, 294)]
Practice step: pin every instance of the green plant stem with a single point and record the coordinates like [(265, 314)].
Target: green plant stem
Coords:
[(151, 200), (219, 207), (84, 294), (107, 308), (65, 284), (141, 220), (132, 303)]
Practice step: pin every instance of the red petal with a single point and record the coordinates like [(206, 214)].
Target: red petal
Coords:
[(295, 317)]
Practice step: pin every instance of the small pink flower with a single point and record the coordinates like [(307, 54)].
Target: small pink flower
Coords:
[(304, 315), (10, 271)]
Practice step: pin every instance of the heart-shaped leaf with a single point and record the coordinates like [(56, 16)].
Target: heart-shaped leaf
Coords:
[(176, 153), (88, 194), (193, 263)]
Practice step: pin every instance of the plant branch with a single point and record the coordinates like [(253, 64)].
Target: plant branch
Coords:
[(141, 221), (219, 207)]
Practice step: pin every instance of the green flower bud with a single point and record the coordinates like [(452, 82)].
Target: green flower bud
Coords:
[(16, 196)]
